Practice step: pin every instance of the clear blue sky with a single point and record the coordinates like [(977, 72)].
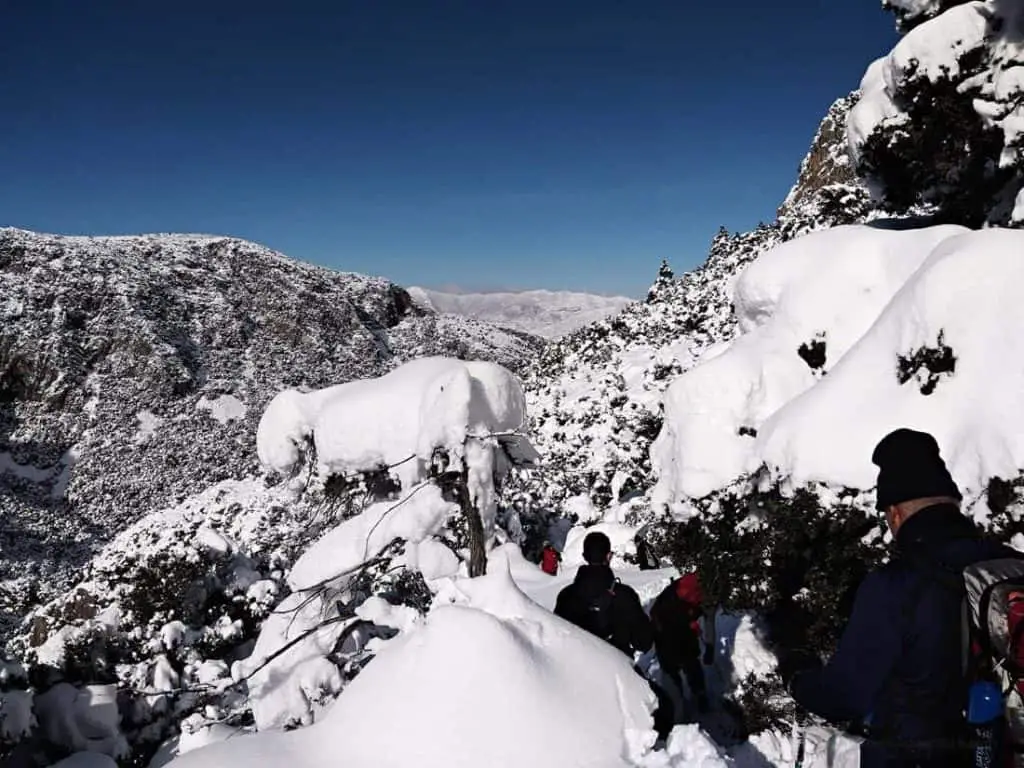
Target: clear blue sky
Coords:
[(479, 143)]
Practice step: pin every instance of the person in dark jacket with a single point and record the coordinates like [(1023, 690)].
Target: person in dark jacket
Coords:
[(597, 602), (676, 616), (897, 672)]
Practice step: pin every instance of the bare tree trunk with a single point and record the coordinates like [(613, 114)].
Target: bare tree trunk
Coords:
[(477, 551)]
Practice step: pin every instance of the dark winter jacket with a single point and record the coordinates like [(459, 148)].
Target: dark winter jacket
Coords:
[(675, 616), (630, 628), (899, 661)]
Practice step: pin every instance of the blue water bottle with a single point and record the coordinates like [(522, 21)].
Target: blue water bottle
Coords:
[(985, 723)]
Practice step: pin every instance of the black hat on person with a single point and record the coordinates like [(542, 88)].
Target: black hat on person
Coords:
[(596, 547), (910, 467)]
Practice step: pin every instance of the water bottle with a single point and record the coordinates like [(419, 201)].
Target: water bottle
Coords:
[(985, 723)]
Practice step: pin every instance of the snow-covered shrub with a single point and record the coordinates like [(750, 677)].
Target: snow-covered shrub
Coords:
[(766, 460), (488, 678), (17, 718), (794, 558), (939, 123)]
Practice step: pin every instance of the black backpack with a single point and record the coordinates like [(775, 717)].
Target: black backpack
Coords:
[(596, 614)]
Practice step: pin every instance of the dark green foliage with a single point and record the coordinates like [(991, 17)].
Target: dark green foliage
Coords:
[(663, 282), (761, 705), (790, 559), (813, 352), (927, 365), (907, 20), (1005, 499), (943, 157), (763, 551), (843, 204)]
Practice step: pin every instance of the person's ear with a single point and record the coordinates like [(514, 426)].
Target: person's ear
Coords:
[(894, 516), (608, 559)]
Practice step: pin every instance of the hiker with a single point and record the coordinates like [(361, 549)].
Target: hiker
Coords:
[(598, 603), (645, 557), (897, 674), (549, 559), (677, 616)]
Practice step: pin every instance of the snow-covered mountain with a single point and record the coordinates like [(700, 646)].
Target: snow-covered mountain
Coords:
[(133, 371), (728, 418), (550, 314), (595, 395)]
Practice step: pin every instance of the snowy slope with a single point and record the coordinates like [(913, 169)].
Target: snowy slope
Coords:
[(550, 314), (133, 371), (595, 395)]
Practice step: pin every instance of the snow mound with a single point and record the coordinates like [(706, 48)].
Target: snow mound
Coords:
[(898, 329), (489, 678), (295, 639), (360, 426)]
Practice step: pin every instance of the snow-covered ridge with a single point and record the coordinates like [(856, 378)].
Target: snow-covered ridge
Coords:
[(550, 314), (133, 371), (595, 395)]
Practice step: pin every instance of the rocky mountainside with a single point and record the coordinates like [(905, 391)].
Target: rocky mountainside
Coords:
[(550, 314), (133, 371), (595, 395)]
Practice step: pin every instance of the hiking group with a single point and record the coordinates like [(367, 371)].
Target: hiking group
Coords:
[(597, 602), (929, 670)]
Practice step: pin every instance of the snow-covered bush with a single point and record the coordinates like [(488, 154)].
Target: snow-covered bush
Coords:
[(447, 433), (939, 124), (846, 335), (489, 678)]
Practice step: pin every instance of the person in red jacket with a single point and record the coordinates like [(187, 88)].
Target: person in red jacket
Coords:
[(549, 559), (676, 616)]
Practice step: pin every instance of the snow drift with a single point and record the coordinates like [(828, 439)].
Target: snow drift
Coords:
[(896, 329), (489, 678)]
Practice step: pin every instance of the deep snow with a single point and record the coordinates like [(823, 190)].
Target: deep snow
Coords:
[(489, 678), (886, 296)]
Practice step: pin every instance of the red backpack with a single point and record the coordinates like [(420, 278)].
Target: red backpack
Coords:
[(689, 592), (549, 560)]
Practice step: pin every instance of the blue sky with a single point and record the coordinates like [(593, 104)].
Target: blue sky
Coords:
[(478, 143)]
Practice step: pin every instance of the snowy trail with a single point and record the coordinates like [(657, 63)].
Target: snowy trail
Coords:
[(543, 588)]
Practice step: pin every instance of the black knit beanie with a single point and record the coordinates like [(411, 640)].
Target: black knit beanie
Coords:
[(910, 467), (596, 547)]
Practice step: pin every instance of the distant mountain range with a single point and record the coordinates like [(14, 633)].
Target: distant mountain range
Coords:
[(550, 314)]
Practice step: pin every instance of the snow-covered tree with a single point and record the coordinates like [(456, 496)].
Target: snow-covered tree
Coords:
[(938, 127)]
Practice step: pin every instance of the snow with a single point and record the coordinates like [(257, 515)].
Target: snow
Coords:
[(223, 409), (86, 760), (83, 719), (933, 50), (419, 514), (400, 420), (550, 314), (149, 422), (362, 425), (291, 686), (876, 296), (830, 286), (489, 678)]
